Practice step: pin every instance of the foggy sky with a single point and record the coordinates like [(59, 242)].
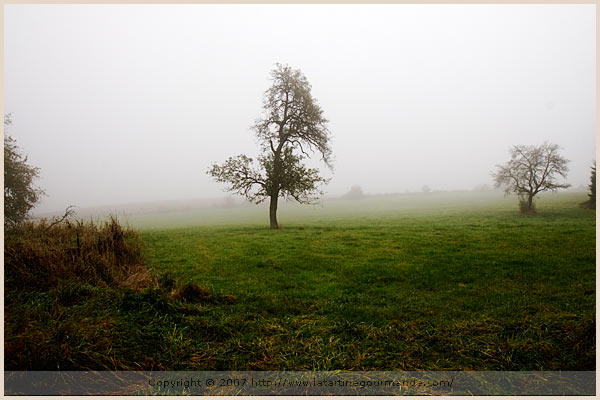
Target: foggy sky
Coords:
[(132, 103)]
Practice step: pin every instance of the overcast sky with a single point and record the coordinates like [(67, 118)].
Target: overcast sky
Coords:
[(132, 103)]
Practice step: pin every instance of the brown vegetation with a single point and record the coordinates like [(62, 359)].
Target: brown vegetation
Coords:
[(79, 297), (40, 255)]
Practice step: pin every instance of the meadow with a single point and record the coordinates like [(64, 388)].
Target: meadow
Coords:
[(435, 281), (424, 281)]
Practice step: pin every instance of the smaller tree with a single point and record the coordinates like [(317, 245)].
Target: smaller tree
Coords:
[(354, 193), (591, 202), (20, 194), (426, 189), (531, 170)]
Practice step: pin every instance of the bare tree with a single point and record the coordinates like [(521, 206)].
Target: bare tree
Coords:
[(292, 127), (531, 170)]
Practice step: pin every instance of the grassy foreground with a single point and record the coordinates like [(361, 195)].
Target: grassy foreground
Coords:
[(447, 284), (429, 283)]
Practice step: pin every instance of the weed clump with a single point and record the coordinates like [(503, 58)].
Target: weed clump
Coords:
[(70, 293), (78, 297), (166, 281), (191, 293), (40, 255)]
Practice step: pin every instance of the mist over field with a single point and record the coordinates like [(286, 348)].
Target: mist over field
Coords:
[(131, 104), (305, 188)]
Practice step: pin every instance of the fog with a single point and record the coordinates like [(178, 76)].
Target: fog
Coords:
[(132, 103)]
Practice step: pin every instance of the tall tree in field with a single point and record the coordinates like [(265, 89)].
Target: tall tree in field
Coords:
[(292, 128), (20, 194), (531, 170), (591, 202)]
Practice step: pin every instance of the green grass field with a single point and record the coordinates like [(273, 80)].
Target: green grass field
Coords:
[(438, 281)]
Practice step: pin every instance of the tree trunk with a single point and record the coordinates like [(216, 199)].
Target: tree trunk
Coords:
[(526, 203), (273, 211)]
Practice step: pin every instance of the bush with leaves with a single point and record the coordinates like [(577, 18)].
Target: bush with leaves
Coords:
[(20, 194), (591, 202)]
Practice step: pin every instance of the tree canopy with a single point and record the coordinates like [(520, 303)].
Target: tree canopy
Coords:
[(20, 193), (291, 129), (591, 201), (531, 170)]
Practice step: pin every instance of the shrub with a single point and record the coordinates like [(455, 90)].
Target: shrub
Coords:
[(355, 193), (591, 201), (20, 193)]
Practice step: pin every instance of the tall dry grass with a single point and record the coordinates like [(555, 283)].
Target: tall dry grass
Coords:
[(78, 296), (40, 255)]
